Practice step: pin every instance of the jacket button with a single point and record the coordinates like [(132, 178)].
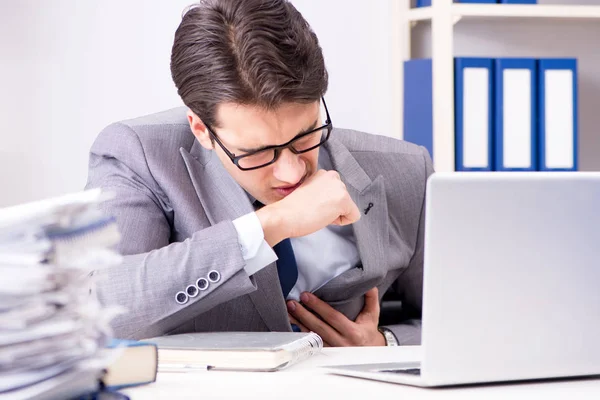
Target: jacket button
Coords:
[(181, 298), (191, 291), (214, 276), (202, 284)]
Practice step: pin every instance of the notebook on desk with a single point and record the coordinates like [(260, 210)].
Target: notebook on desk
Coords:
[(240, 351)]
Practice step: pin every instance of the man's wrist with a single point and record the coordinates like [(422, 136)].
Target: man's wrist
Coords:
[(272, 224)]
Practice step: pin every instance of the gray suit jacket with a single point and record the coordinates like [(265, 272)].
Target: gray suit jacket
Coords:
[(175, 204)]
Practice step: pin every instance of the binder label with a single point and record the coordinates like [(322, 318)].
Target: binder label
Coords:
[(517, 118), (475, 116), (558, 99)]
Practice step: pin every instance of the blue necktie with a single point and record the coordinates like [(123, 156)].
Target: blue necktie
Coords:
[(286, 263), (286, 266)]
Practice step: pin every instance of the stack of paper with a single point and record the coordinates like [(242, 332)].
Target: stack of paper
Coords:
[(52, 332)]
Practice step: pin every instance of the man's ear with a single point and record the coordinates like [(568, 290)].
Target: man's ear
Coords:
[(199, 130)]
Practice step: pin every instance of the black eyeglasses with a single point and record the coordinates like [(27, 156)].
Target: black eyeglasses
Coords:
[(268, 155)]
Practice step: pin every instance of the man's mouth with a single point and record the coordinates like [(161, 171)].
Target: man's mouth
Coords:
[(286, 190)]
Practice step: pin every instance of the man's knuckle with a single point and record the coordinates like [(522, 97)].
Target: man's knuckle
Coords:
[(342, 194), (333, 174), (362, 337)]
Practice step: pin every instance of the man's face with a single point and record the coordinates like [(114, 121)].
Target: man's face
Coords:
[(245, 128)]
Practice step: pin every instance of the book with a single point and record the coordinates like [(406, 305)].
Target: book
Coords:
[(239, 351), (136, 364)]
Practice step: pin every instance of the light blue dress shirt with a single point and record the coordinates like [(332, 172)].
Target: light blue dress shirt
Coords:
[(320, 256)]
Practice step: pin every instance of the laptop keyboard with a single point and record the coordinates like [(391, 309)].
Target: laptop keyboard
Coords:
[(410, 371)]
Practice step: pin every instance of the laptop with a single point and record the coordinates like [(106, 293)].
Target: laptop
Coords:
[(511, 281)]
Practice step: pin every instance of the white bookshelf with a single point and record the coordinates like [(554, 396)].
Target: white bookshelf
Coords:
[(443, 15)]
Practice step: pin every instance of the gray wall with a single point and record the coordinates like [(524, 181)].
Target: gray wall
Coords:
[(538, 38)]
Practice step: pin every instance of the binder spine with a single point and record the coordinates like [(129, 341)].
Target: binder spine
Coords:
[(558, 125), (515, 114), (517, 1), (474, 112), (418, 103), (427, 3)]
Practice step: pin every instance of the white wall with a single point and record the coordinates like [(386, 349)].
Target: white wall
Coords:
[(356, 37), (70, 67), (67, 69), (538, 38)]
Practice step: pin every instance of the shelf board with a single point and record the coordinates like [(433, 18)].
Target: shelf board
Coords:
[(511, 11)]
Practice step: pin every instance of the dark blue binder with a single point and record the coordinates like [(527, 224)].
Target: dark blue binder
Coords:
[(558, 136), (515, 114), (427, 3), (418, 103), (473, 99), (517, 1)]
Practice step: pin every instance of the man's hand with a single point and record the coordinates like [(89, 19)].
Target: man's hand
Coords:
[(333, 327), (321, 200)]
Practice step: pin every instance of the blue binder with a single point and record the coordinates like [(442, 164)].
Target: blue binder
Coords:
[(558, 136), (418, 103), (515, 114), (427, 3), (473, 90), (517, 1)]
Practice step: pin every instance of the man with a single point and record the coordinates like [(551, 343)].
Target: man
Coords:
[(249, 197)]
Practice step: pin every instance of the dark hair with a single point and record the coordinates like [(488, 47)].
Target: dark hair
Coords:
[(253, 52)]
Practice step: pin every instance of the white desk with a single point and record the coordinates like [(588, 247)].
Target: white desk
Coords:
[(307, 382)]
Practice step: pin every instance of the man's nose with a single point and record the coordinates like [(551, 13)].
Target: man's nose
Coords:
[(289, 167)]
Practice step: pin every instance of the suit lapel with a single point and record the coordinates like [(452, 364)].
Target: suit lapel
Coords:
[(223, 200), (268, 299), (221, 197), (372, 230)]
